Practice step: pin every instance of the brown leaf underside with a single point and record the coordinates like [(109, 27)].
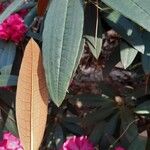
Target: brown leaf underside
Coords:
[(32, 98), (41, 7)]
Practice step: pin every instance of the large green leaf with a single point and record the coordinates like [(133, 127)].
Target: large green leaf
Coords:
[(127, 54), (61, 41), (138, 144), (127, 29), (136, 10), (10, 9), (93, 29), (143, 108), (7, 56), (146, 63), (8, 80), (128, 124)]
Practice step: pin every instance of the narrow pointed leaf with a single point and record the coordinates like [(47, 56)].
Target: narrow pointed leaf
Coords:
[(32, 98), (8, 80), (127, 29), (127, 53), (61, 42), (93, 29), (143, 108), (7, 56), (10, 9), (146, 63), (136, 10)]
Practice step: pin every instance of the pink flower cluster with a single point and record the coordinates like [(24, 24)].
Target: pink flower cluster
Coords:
[(10, 142), (77, 143), (119, 148), (13, 28)]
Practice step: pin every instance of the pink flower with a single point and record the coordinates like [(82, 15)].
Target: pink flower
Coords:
[(13, 28), (23, 13), (77, 143), (119, 148), (10, 142)]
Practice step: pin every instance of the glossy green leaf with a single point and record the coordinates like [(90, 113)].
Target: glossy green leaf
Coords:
[(127, 54), (99, 114), (143, 108), (127, 29), (61, 42), (7, 56), (8, 80), (128, 124), (10, 9), (97, 133), (146, 63), (93, 29), (136, 10), (138, 144), (58, 136)]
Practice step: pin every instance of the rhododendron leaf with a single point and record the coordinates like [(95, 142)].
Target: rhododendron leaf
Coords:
[(30, 16), (58, 136), (31, 98), (61, 42), (97, 132), (8, 115), (10, 9), (146, 63), (93, 29), (8, 80), (136, 10), (7, 56), (99, 114), (127, 29), (143, 108), (138, 144), (127, 117), (127, 53), (41, 7)]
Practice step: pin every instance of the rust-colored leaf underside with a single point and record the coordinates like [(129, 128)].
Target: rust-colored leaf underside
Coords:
[(32, 98), (41, 7)]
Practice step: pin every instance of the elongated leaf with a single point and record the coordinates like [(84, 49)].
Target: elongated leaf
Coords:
[(127, 122), (127, 29), (136, 10), (7, 56), (32, 98), (61, 42), (41, 7), (93, 29), (138, 144), (127, 54), (8, 80), (146, 63), (10, 9), (143, 108)]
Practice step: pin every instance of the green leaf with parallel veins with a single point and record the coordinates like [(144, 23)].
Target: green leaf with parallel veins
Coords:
[(93, 29), (61, 42), (127, 54), (127, 29), (10, 9), (7, 56), (136, 10)]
